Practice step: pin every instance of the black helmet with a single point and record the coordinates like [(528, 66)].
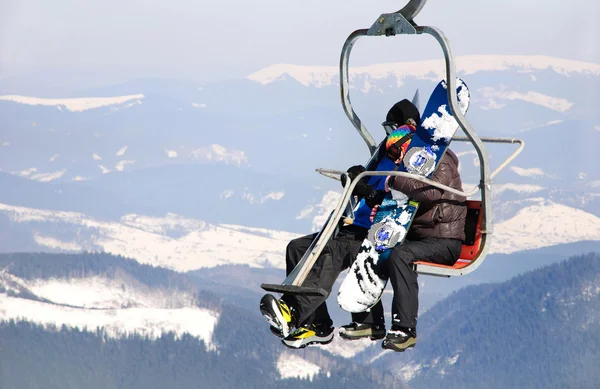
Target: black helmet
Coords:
[(401, 112)]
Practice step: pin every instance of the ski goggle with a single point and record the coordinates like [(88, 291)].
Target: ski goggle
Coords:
[(389, 126)]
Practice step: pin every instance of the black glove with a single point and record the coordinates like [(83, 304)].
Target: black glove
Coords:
[(352, 173), (375, 198), (372, 197)]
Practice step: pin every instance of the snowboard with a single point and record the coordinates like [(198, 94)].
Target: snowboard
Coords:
[(367, 277)]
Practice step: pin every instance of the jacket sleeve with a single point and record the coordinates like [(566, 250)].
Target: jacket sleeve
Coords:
[(421, 191)]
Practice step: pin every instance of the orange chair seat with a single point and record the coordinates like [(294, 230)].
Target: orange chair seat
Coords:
[(468, 252)]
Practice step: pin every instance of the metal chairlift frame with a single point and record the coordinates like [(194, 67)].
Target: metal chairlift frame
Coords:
[(398, 23)]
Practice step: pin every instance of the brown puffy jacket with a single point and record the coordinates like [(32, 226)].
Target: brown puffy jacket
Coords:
[(441, 214)]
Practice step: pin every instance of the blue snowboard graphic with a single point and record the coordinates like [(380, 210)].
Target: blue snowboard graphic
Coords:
[(363, 286)]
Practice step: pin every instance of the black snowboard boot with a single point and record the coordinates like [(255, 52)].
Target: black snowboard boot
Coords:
[(278, 314), (355, 330), (399, 339)]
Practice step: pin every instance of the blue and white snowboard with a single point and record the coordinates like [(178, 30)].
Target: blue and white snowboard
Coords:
[(363, 286)]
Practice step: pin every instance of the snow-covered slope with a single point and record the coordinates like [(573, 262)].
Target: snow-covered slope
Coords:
[(186, 244), (172, 242), (544, 223), (434, 70), (119, 308)]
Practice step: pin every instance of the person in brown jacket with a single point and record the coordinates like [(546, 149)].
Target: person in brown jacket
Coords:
[(436, 235)]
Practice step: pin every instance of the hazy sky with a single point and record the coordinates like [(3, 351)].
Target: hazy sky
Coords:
[(211, 40)]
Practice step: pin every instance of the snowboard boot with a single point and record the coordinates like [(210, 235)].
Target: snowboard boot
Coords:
[(276, 331), (278, 314), (399, 339), (310, 334), (355, 330)]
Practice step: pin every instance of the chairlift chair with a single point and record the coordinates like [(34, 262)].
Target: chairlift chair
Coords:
[(479, 219)]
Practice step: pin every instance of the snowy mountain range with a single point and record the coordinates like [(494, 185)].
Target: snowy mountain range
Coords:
[(145, 170), (149, 123), (188, 176)]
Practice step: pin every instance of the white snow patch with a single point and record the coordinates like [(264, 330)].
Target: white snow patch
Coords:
[(409, 371), (434, 70), (25, 172), (274, 196), (519, 188), (553, 103), (293, 366), (544, 224), (80, 178), (582, 175), (492, 104), (104, 170), (72, 104), (171, 153), (552, 122), (590, 292), (130, 104), (163, 225), (47, 177), (48, 241), (121, 165), (252, 199), (97, 157), (452, 360), (524, 172), (151, 322), (323, 209), (198, 105), (347, 349), (103, 293), (226, 194), (121, 151), (218, 153), (54, 157), (304, 213)]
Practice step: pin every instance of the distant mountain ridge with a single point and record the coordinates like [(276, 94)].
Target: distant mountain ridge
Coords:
[(434, 70), (243, 153)]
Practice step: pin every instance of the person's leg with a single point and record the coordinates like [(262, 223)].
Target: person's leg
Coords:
[(295, 250), (336, 257), (403, 277), (373, 316), (370, 324)]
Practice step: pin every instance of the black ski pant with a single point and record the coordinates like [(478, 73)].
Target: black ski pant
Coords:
[(403, 277), (337, 255)]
